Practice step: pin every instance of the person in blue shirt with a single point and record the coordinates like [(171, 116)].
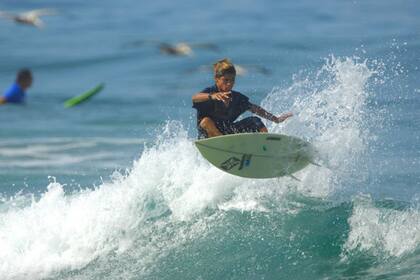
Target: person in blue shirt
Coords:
[(219, 106), (17, 91)]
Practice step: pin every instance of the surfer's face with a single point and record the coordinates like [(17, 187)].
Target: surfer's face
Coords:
[(225, 83), (26, 83)]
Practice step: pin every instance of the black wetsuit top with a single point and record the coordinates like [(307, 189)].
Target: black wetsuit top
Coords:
[(224, 116), (217, 111)]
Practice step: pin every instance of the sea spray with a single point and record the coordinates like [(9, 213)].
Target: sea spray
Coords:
[(330, 111)]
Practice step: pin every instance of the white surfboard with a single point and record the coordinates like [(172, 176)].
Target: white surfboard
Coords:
[(257, 155)]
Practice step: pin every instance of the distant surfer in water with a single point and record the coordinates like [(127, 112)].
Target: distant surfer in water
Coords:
[(17, 91), (219, 106)]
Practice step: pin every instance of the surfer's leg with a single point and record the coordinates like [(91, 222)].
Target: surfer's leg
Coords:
[(249, 124), (209, 127)]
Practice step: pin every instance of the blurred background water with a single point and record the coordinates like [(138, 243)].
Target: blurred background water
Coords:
[(114, 189)]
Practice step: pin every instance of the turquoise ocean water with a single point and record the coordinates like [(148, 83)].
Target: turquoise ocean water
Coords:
[(115, 189)]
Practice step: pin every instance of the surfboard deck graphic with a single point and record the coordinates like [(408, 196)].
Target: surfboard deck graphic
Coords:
[(257, 155)]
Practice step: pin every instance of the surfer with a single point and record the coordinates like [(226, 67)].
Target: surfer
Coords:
[(17, 91), (219, 106)]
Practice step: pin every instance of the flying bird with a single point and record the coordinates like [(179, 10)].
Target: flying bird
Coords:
[(177, 49), (30, 17)]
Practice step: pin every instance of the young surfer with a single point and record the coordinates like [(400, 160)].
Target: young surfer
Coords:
[(17, 91), (219, 106)]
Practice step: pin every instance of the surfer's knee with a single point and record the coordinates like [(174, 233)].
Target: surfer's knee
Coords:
[(263, 129), (210, 127), (206, 123)]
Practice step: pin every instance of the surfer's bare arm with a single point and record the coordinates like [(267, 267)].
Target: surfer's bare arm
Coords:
[(202, 97), (266, 115), (2, 100)]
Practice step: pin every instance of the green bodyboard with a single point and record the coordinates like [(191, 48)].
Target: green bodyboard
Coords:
[(257, 155), (83, 97)]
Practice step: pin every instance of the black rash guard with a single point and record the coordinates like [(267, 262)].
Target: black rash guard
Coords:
[(224, 116), (217, 111)]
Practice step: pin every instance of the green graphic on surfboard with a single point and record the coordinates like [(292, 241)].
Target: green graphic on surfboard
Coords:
[(84, 96), (257, 155)]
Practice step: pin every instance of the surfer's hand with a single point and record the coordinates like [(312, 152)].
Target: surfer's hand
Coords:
[(221, 96), (283, 117)]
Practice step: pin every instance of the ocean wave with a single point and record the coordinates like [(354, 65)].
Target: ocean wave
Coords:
[(383, 231), (172, 207)]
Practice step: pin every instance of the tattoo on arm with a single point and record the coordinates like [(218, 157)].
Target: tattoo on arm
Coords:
[(262, 113)]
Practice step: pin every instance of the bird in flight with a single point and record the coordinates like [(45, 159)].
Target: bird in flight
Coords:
[(30, 17), (177, 49)]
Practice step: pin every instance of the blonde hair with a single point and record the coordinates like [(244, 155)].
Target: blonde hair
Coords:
[(223, 67)]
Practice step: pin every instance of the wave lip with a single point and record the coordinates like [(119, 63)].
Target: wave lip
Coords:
[(382, 231)]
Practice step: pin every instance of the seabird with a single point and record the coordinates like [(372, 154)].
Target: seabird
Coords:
[(177, 49), (29, 17)]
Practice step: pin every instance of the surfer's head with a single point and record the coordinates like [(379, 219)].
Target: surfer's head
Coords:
[(24, 78), (224, 74)]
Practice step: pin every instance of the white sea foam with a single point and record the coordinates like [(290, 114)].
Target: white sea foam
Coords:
[(382, 231), (62, 232)]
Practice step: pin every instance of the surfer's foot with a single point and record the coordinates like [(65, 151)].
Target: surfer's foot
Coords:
[(264, 129), (208, 125)]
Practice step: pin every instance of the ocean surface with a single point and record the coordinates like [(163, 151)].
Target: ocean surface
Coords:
[(115, 189)]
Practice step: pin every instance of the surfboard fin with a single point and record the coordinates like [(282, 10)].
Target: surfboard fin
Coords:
[(314, 163), (293, 177)]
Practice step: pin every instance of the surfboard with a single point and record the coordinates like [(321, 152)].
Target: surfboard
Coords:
[(83, 97), (257, 155)]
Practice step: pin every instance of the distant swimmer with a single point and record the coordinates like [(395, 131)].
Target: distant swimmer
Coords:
[(177, 49), (219, 106), (29, 18), (17, 91)]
